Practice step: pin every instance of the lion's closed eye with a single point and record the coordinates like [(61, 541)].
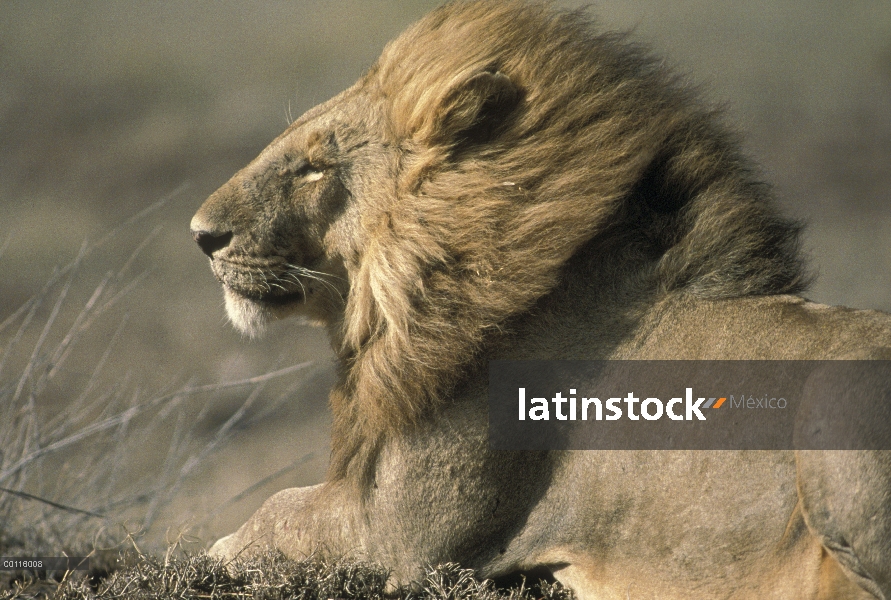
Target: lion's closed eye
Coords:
[(303, 170)]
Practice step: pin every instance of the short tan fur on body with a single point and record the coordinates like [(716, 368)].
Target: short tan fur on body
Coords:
[(507, 183)]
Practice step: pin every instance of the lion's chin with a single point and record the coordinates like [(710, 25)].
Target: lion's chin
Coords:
[(251, 317), (247, 316)]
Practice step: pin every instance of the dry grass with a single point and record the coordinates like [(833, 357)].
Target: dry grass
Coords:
[(91, 462), (270, 576)]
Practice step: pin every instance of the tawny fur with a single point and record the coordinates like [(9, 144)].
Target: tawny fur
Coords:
[(505, 182)]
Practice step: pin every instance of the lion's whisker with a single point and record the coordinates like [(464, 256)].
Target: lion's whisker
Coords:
[(296, 271), (295, 280), (327, 286), (310, 271)]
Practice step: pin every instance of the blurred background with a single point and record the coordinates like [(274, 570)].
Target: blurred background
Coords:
[(108, 107)]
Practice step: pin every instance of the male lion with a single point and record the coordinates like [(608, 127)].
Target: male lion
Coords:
[(506, 183)]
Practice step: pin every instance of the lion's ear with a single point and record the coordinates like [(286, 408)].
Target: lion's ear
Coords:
[(473, 108)]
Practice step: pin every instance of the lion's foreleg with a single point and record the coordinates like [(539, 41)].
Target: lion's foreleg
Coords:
[(299, 522)]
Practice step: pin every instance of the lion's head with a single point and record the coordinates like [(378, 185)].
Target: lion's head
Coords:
[(420, 210)]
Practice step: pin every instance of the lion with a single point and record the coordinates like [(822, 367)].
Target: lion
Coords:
[(506, 182)]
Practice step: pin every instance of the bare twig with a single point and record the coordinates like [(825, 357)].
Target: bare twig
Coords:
[(90, 249), (51, 503), (137, 409)]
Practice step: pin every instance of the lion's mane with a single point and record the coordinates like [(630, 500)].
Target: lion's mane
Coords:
[(595, 143)]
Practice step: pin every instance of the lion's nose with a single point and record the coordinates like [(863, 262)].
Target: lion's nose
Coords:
[(211, 241)]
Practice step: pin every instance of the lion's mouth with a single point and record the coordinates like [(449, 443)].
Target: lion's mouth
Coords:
[(261, 284), (280, 299)]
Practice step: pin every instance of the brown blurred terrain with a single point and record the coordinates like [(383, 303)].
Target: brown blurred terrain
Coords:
[(107, 107)]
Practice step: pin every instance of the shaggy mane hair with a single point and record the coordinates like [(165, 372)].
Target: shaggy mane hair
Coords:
[(499, 187)]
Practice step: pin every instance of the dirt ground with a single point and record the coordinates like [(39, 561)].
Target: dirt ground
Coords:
[(107, 107)]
